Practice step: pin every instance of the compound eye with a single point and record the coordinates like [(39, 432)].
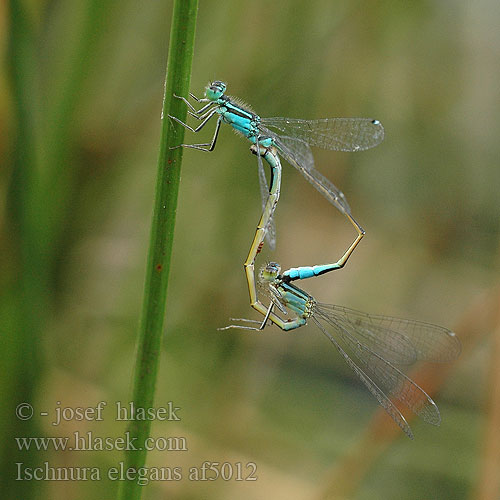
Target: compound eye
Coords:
[(215, 90), (271, 271), (218, 86)]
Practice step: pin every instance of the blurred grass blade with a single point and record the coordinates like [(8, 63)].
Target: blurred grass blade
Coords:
[(24, 278), (177, 81), (59, 115)]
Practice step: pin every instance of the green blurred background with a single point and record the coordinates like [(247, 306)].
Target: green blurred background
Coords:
[(80, 102)]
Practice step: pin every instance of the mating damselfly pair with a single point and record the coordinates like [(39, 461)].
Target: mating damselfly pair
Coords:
[(378, 348)]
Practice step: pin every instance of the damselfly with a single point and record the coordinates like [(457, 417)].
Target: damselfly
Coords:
[(377, 348), (270, 155), (291, 137)]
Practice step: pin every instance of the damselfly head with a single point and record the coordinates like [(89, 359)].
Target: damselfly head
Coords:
[(215, 90), (269, 272)]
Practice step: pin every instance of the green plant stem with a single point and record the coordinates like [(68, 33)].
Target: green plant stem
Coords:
[(177, 81), (25, 276)]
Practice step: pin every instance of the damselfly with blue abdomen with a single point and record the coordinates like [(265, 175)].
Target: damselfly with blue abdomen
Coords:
[(270, 155), (291, 137), (378, 348)]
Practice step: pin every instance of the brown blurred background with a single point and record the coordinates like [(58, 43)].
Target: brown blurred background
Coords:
[(80, 103)]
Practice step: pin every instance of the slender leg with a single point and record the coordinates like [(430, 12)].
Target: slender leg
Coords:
[(204, 146), (202, 124), (243, 320), (254, 328), (241, 327), (191, 107), (199, 99), (284, 325), (201, 116)]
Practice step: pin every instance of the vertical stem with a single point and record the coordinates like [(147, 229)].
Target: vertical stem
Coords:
[(24, 290), (177, 80)]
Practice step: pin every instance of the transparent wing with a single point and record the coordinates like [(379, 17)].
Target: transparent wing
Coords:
[(338, 134), (264, 193), (369, 354), (383, 400), (401, 341), (298, 149), (298, 154)]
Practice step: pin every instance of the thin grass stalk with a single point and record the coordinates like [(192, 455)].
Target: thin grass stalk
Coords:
[(25, 283), (177, 81)]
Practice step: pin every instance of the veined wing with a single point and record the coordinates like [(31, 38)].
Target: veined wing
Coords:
[(391, 381), (372, 386), (338, 134), (298, 154), (401, 341)]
